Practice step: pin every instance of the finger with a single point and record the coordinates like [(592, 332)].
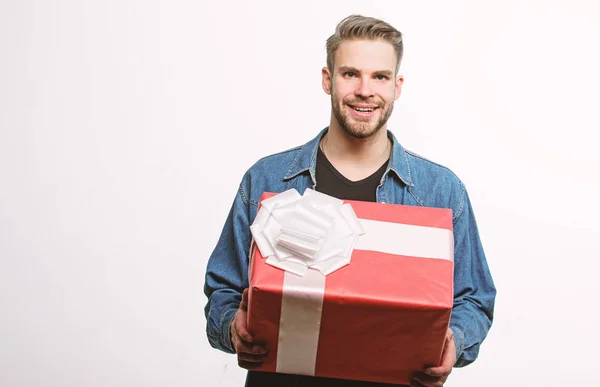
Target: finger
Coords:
[(246, 346), (428, 381), (438, 372), (418, 383), (248, 365), (252, 358), (415, 383), (244, 303), (249, 348)]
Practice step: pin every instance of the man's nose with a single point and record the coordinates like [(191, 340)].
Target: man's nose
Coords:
[(364, 89)]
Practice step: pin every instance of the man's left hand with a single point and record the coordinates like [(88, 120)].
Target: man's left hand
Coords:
[(436, 376)]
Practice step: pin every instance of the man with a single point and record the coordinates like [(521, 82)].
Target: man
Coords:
[(357, 158)]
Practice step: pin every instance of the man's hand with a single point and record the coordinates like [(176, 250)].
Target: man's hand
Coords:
[(436, 376), (250, 355)]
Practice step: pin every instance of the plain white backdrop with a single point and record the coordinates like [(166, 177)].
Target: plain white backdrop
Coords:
[(125, 128)]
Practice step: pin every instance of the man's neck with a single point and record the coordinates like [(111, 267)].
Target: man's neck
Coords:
[(353, 157), (340, 146)]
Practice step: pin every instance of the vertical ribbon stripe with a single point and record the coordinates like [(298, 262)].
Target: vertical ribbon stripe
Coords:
[(300, 322)]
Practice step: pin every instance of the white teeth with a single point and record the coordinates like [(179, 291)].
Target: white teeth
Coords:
[(364, 110)]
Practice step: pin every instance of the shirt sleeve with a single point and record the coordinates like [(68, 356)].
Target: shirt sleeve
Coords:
[(474, 289), (227, 273)]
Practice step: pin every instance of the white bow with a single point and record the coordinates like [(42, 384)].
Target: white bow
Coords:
[(314, 230)]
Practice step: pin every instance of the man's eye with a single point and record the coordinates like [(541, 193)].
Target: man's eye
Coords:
[(350, 74), (381, 77)]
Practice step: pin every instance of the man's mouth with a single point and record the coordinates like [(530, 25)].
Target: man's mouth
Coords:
[(363, 109)]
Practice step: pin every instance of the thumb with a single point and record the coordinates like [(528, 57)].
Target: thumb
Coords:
[(447, 361), (244, 304), (240, 325), (447, 342)]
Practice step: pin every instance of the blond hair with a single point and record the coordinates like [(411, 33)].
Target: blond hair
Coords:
[(356, 27)]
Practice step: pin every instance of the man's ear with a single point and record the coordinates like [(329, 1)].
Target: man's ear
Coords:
[(399, 82), (326, 80)]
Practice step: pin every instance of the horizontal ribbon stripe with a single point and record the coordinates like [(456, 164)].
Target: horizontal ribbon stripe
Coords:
[(406, 239)]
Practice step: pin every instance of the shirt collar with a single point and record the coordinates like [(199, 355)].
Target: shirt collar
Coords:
[(306, 159)]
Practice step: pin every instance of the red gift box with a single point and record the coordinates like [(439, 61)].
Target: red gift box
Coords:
[(381, 318)]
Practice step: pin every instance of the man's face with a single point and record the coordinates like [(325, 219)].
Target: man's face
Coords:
[(363, 86)]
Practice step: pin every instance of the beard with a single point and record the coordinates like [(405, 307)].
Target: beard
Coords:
[(360, 128)]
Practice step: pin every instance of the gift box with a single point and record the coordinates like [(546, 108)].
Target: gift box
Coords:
[(349, 289)]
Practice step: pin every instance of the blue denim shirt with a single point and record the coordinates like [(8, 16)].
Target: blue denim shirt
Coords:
[(409, 179)]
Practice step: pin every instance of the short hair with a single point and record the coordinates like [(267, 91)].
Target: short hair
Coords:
[(356, 27)]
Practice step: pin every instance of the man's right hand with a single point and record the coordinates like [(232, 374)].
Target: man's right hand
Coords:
[(250, 355)]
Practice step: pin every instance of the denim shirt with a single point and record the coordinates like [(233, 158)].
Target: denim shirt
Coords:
[(409, 179)]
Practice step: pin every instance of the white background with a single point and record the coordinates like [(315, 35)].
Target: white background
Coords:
[(125, 128)]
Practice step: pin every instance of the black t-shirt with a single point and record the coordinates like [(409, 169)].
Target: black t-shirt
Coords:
[(333, 183)]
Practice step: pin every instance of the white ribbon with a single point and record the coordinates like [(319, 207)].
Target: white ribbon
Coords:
[(311, 236)]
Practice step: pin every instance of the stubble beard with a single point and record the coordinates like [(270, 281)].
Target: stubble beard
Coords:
[(358, 129)]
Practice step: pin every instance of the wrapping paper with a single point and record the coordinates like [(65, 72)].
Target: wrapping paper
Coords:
[(379, 313)]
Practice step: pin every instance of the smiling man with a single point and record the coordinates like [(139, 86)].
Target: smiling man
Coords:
[(356, 157)]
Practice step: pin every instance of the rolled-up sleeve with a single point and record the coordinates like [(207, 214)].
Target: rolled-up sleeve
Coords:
[(474, 289), (227, 273)]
